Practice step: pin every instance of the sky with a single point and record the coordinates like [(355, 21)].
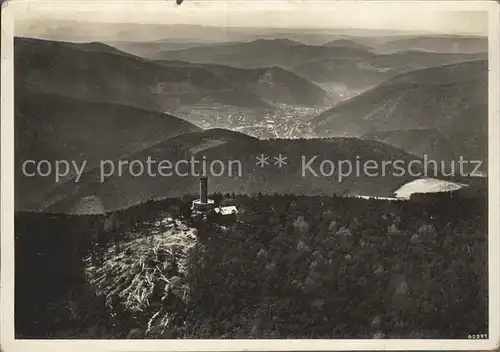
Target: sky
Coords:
[(280, 14)]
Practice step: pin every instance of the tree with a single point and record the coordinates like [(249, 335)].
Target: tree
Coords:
[(185, 210), (217, 198)]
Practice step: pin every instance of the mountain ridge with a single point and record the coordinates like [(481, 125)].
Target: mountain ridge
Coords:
[(228, 146), (79, 131), (54, 67), (441, 99)]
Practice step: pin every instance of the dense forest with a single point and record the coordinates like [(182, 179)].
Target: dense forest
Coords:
[(285, 267)]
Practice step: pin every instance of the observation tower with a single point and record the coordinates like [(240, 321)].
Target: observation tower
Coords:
[(203, 204)]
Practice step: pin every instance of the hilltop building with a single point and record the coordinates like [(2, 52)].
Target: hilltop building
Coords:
[(227, 214), (229, 210), (206, 205)]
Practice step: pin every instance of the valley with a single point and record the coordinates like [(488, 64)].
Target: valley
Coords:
[(284, 121)]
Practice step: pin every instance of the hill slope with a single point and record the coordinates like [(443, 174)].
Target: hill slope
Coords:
[(417, 141), (226, 149), (449, 99), (271, 84), (365, 73), (52, 127)]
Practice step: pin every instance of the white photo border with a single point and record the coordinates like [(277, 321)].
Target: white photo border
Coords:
[(8, 343)]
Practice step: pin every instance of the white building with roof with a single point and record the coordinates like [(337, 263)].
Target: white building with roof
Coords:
[(228, 210)]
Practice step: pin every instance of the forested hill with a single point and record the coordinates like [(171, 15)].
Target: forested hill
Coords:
[(302, 267)]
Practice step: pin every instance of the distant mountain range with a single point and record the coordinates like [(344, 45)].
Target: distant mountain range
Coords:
[(103, 75), (376, 44), (97, 72), (342, 62), (348, 43), (67, 30), (285, 53), (379, 39), (153, 48), (437, 43)]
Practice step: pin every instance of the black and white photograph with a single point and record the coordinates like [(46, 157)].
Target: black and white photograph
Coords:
[(275, 172)]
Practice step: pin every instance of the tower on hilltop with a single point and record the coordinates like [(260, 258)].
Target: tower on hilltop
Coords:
[(203, 204)]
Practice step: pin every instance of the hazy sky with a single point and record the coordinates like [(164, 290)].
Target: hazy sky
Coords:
[(305, 14)]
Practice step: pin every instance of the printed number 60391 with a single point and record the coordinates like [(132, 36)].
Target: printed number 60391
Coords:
[(477, 336)]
